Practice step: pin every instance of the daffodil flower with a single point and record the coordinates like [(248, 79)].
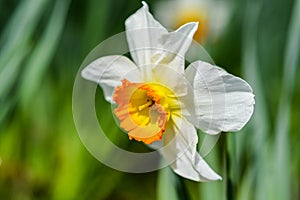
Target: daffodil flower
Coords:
[(161, 103), (213, 16)]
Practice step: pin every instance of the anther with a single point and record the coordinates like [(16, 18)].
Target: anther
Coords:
[(148, 104)]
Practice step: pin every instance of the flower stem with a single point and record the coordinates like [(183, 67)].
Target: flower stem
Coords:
[(229, 185), (182, 192)]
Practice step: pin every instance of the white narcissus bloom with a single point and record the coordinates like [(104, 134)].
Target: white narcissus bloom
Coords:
[(212, 15), (158, 101)]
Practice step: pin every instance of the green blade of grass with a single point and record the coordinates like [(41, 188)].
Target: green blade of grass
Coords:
[(282, 160), (43, 53), (260, 122), (15, 46), (20, 28), (10, 73)]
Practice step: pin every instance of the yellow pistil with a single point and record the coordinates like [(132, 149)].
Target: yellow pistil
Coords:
[(144, 109)]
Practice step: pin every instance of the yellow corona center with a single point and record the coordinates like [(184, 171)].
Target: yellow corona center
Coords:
[(193, 15), (144, 109)]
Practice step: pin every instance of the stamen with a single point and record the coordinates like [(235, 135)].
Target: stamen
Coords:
[(146, 105)]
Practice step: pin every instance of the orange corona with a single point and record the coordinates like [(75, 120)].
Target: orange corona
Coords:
[(144, 109)]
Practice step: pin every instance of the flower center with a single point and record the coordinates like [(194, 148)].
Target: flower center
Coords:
[(144, 109)]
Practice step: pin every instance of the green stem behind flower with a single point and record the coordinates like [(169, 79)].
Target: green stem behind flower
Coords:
[(228, 149), (181, 188), (171, 186)]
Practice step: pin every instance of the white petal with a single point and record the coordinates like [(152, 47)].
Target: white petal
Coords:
[(180, 150), (108, 72), (167, 76), (222, 101), (176, 44), (143, 35), (150, 43)]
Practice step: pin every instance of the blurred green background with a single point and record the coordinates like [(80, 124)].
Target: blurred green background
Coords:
[(42, 45)]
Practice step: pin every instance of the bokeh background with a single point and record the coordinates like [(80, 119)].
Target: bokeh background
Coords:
[(42, 45)]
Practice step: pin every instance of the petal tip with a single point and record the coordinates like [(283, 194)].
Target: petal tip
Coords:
[(193, 24), (219, 178), (212, 177), (145, 5)]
